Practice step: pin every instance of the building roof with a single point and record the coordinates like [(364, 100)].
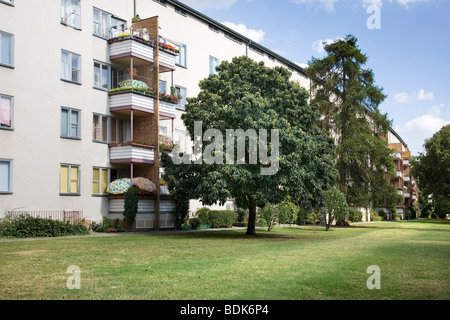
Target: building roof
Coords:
[(239, 36), (398, 137)]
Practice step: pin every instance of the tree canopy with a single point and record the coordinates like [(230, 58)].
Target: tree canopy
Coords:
[(267, 111), (348, 101), (432, 171)]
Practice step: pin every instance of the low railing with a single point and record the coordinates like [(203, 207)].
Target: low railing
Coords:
[(63, 215)]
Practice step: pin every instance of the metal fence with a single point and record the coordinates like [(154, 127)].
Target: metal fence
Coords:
[(64, 215)]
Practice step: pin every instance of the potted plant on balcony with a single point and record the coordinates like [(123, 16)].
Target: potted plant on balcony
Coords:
[(165, 143), (163, 187), (169, 48)]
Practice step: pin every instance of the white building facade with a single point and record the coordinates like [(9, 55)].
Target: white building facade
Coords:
[(58, 117)]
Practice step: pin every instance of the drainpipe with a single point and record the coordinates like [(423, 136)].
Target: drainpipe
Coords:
[(246, 47), (134, 7)]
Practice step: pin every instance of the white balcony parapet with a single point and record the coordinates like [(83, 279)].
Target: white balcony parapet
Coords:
[(407, 195), (131, 100), (414, 197), (167, 109), (400, 192), (131, 46), (397, 155), (406, 162), (398, 173), (167, 59), (132, 153), (406, 178)]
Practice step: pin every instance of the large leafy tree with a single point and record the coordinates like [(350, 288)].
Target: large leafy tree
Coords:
[(432, 170), (249, 96), (348, 101)]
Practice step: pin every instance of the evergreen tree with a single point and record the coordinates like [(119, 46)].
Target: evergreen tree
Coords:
[(348, 100)]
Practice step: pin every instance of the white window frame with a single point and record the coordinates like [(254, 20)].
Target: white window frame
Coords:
[(182, 91), (99, 84), (11, 49), (10, 163), (69, 124), (69, 180), (69, 16), (99, 181), (213, 64), (181, 59), (67, 70), (112, 22), (11, 98)]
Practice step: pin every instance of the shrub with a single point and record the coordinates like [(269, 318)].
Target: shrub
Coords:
[(221, 218), (382, 214), (287, 212), (131, 205), (394, 214), (270, 215), (354, 215), (241, 214), (203, 215), (194, 223), (378, 218), (302, 216), (240, 224), (26, 226)]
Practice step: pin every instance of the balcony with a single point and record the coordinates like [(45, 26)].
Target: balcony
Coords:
[(124, 46), (406, 178), (397, 155), (407, 195), (414, 197), (400, 192), (127, 153), (406, 162), (398, 174), (167, 57)]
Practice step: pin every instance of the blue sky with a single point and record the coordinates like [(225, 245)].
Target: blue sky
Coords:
[(409, 52)]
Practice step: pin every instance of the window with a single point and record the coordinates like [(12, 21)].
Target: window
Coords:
[(213, 64), (108, 129), (117, 76), (180, 91), (101, 76), (71, 13), (101, 177), (163, 130), (107, 25), (70, 123), (182, 139), (70, 66), (69, 179), (180, 11), (162, 86), (6, 176), (6, 49), (180, 60), (6, 112)]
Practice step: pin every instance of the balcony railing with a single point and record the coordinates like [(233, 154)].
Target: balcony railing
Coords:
[(406, 178), (406, 162), (397, 155), (407, 195), (131, 153)]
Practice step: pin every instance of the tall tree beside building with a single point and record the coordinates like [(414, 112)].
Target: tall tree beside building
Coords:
[(247, 96), (348, 100), (432, 170)]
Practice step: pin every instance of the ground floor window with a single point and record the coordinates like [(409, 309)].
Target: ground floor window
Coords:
[(5, 176), (69, 179)]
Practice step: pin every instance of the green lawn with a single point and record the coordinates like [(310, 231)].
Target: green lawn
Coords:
[(285, 263)]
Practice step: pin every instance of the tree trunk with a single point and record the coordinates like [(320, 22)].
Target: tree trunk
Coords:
[(251, 227)]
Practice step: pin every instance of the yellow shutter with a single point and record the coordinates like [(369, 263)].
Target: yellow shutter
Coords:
[(104, 180), (64, 183), (95, 181)]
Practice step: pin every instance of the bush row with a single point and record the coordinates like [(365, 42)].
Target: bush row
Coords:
[(213, 218), (27, 226)]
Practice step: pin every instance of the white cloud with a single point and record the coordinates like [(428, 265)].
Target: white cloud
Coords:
[(318, 46), (421, 95), (255, 35), (428, 123), (327, 5), (368, 3), (407, 3), (210, 4), (417, 130)]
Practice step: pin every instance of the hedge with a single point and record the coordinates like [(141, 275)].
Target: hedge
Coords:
[(221, 218)]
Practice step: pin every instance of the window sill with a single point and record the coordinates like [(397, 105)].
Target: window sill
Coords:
[(179, 65), (70, 194), (70, 138), (100, 195), (5, 192), (11, 4), (7, 65), (100, 89), (70, 81), (6, 129), (69, 26)]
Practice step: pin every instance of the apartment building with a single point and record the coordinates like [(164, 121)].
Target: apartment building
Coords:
[(404, 182), (85, 93)]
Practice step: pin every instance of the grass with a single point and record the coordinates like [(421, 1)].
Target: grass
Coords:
[(283, 264)]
